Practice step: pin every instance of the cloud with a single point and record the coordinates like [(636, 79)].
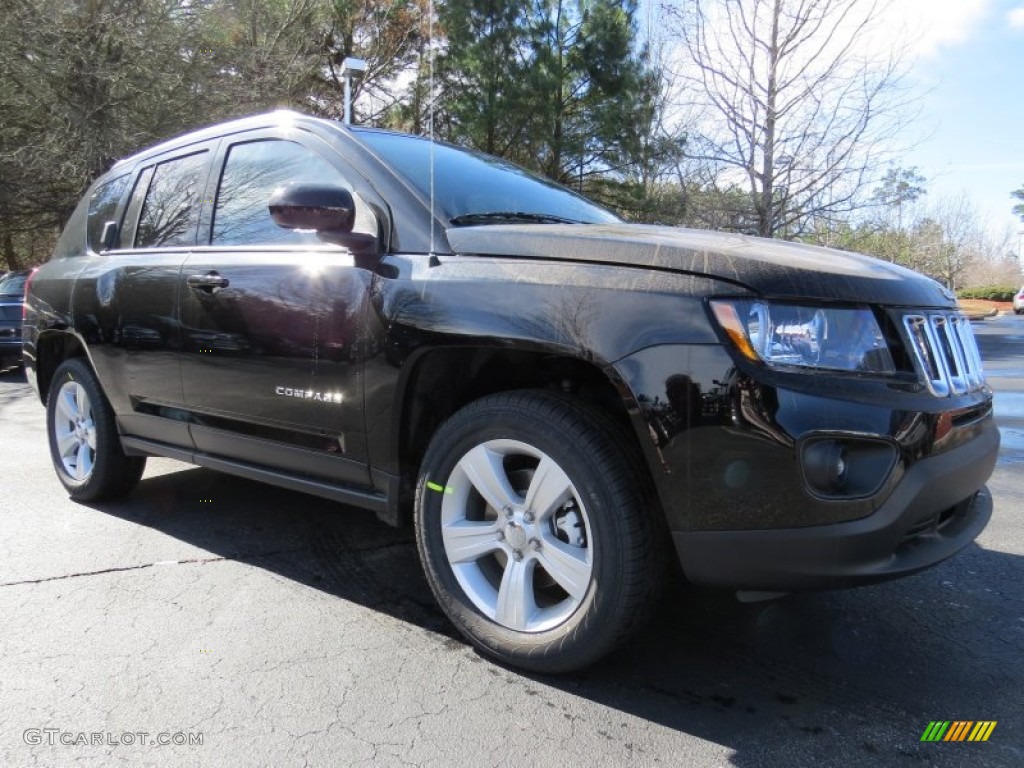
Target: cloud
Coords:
[(1015, 18), (929, 25)]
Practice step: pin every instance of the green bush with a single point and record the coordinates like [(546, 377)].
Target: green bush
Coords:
[(989, 292)]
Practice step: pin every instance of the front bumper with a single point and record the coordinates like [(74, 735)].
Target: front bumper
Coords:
[(935, 511)]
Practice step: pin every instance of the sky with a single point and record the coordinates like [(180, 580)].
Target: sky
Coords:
[(965, 66), (967, 56)]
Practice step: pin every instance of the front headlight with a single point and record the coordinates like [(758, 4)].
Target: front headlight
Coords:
[(844, 339)]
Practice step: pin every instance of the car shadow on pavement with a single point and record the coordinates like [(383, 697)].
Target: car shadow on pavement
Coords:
[(878, 662), (15, 386), (874, 665), (13, 374), (340, 550)]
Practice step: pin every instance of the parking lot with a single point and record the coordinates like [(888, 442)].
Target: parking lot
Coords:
[(279, 629)]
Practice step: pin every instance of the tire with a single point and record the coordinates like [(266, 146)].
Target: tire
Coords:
[(84, 443), (562, 562)]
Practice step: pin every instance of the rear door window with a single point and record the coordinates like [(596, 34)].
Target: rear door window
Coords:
[(170, 211), (131, 213)]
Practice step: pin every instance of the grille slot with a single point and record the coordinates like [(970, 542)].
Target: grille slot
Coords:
[(945, 353)]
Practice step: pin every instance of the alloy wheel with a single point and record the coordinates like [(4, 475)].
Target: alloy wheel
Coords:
[(516, 535), (75, 431)]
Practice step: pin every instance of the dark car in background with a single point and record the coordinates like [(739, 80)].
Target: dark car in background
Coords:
[(554, 399), (12, 297)]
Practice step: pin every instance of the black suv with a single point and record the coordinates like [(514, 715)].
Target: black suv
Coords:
[(555, 399)]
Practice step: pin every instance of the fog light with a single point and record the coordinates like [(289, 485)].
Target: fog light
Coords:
[(825, 466), (846, 467)]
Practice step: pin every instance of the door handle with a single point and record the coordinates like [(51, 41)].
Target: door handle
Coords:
[(211, 282)]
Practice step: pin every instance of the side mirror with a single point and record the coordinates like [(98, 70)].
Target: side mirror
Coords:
[(308, 205)]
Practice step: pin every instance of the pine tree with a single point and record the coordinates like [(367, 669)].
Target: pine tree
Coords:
[(555, 85), (1018, 194)]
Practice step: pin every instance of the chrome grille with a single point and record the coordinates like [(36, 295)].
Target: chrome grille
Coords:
[(945, 353)]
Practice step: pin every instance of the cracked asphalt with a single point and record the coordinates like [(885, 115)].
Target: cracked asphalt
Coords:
[(287, 631)]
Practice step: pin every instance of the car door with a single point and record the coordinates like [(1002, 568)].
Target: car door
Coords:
[(125, 297), (272, 320)]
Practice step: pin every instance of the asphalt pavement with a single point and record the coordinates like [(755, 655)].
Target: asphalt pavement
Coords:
[(246, 625)]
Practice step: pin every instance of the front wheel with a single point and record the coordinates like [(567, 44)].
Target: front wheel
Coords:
[(533, 532), (82, 431)]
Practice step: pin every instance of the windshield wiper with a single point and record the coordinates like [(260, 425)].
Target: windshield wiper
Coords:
[(498, 217)]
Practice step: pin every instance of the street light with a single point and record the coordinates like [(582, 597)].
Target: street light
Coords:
[(351, 69)]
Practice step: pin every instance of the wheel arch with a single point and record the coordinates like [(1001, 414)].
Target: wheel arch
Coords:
[(51, 349), (440, 381)]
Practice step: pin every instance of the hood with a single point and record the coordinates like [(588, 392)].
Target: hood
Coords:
[(772, 268)]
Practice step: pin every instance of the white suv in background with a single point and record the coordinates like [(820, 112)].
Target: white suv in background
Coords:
[(1018, 301)]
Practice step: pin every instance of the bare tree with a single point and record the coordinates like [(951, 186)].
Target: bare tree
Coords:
[(998, 264), (950, 239), (793, 109)]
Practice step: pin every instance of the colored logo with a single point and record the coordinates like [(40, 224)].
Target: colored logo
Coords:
[(958, 730)]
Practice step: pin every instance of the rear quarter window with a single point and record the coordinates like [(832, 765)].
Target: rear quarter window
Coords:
[(72, 239), (103, 208)]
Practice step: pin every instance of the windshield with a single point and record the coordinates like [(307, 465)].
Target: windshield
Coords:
[(13, 285), (473, 188)]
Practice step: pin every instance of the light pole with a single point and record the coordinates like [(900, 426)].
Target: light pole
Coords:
[(351, 69)]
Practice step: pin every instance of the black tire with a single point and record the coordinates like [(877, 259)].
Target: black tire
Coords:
[(93, 473), (607, 508)]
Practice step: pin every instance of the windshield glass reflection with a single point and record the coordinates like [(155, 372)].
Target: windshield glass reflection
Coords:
[(473, 188)]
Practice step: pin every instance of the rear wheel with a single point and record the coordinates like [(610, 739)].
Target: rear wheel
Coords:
[(533, 532), (84, 444)]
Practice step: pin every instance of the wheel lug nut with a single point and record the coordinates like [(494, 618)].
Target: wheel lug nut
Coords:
[(517, 555), (528, 517), (535, 544), (501, 535), (508, 511)]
